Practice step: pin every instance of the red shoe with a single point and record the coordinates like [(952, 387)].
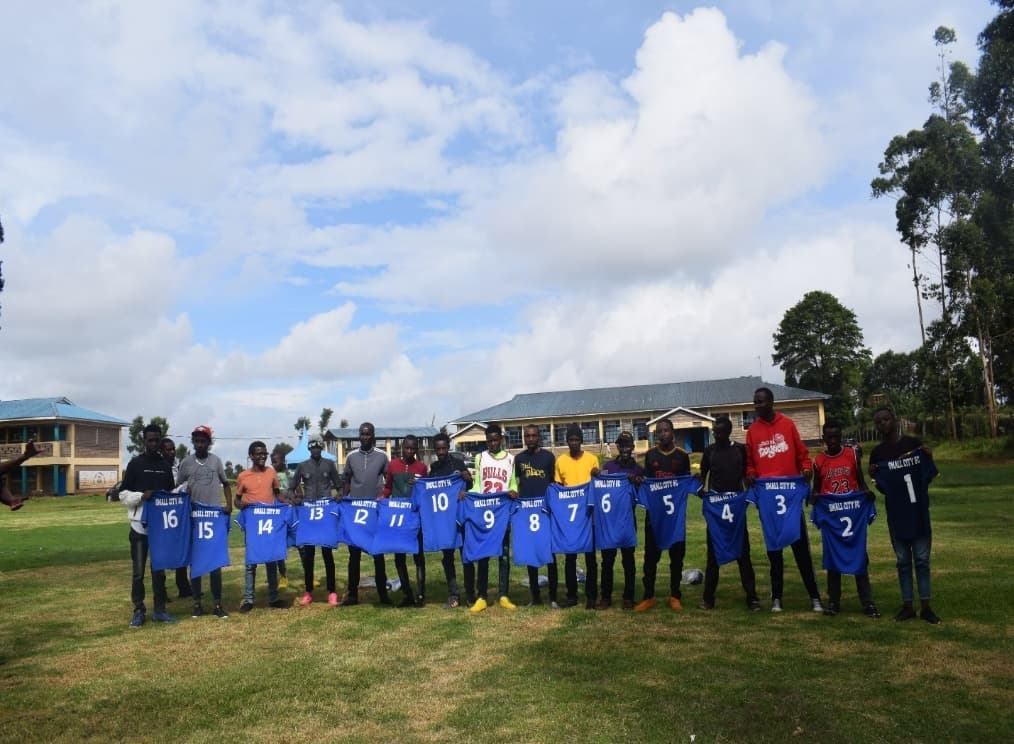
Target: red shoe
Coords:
[(307, 599)]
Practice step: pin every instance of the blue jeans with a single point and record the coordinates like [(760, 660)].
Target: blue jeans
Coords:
[(248, 586), (918, 552)]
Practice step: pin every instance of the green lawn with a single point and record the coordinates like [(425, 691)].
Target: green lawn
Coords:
[(71, 670)]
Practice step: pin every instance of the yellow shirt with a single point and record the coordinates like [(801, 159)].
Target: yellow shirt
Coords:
[(571, 472)]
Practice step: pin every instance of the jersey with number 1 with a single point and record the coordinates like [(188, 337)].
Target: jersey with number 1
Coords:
[(358, 523), (570, 518), (267, 528), (779, 502), (530, 537), (613, 497), (209, 544), (167, 519), (437, 501), (484, 517), (666, 502), (397, 527), (317, 523), (725, 514), (842, 519), (905, 482)]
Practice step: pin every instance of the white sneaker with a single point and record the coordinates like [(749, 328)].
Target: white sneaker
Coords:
[(817, 606), (776, 605)]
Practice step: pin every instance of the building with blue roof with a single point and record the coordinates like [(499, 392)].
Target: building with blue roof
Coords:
[(80, 450)]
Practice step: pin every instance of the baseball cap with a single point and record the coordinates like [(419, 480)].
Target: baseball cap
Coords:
[(202, 430)]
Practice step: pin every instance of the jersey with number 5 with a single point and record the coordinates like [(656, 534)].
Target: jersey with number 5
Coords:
[(613, 497), (570, 513), (905, 483), (530, 533), (317, 523), (779, 502), (484, 517), (167, 518), (358, 522), (725, 514), (666, 502), (209, 543), (267, 528), (843, 520), (437, 501)]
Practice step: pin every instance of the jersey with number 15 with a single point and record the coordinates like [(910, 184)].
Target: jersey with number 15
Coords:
[(209, 545)]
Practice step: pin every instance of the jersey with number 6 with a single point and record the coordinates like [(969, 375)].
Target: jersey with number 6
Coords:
[(484, 517), (905, 483), (358, 523), (317, 523), (267, 528), (779, 502), (666, 502), (437, 501), (397, 527), (613, 497), (725, 514), (209, 544), (570, 512), (842, 519), (530, 533), (167, 519)]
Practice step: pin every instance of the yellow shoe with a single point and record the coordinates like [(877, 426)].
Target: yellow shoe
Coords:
[(479, 606), (675, 605), (316, 582), (506, 603), (645, 604), (283, 582)]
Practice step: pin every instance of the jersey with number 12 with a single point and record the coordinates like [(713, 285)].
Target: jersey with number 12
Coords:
[(358, 523)]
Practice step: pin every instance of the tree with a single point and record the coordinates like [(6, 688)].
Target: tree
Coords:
[(283, 447), (135, 433), (819, 346), (325, 420), (302, 424), (344, 423), (182, 451)]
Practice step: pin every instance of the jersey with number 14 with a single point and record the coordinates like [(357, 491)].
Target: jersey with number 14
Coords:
[(842, 519), (317, 523), (666, 502), (779, 502), (209, 545), (167, 518), (530, 533), (437, 500), (267, 528), (613, 497), (570, 512), (725, 514), (484, 518)]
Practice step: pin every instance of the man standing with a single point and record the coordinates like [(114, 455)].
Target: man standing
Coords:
[(313, 480), (401, 475), (365, 471), (573, 469), (444, 465), (624, 464), (534, 469), (282, 473), (494, 473), (168, 449), (204, 476), (774, 449)]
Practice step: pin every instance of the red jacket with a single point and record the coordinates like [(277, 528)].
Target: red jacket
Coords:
[(775, 449)]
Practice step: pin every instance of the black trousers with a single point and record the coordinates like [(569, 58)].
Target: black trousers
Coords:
[(183, 582), (652, 555), (629, 568), (863, 588), (306, 555), (139, 559), (379, 572), (450, 573), (533, 581), (591, 575), (746, 573), (401, 566), (481, 566), (801, 551), (216, 586)]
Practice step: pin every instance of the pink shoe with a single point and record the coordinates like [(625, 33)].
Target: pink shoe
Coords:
[(307, 599), (332, 599)]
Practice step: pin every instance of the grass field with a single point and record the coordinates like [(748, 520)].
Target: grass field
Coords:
[(71, 670)]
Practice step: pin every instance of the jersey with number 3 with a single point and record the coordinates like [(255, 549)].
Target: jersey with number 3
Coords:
[(484, 517), (397, 527), (905, 483), (209, 544), (358, 523), (613, 497), (725, 514), (437, 501), (317, 523), (167, 518), (842, 519), (267, 529), (530, 533), (666, 502), (570, 518), (779, 502)]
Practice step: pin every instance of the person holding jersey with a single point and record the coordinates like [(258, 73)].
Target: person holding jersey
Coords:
[(573, 469), (365, 471), (401, 475), (315, 479), (444, 465), (623, 464), (494, 473), (258, 484), (535, 469)]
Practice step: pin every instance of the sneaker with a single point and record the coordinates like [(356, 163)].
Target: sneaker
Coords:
[(138, 619), (754, 605), (332, 599), (246, 607), (905, 613), (645, 604), (604, 604), (349, 601), (929, 616), (306, 600), (283, 582), (706, 605), (506, 603), (278, 604), (161, 616), (479, 606), (469, 600), (628, 604), (776, 605), (816, 604), (197, 611), (553, 605), (420, 600), (570, 602), (832, 609), (675, 604), (535, 602), (453, 602), (870, 610), (316, 583), (219, 612)]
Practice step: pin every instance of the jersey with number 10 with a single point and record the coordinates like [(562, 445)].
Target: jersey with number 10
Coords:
[(484, 518), (570, 512), (530, 533), (666, 502), (397, 527), (779, 502), (209, 546), (613, 497), (842, 519), (317, 523), (267, 528), (725, 514), (437, 501), (358, 523), (167, 518)]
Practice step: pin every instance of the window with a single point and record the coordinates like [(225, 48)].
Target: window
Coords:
[(611, 430), (544, 433), (748, 418), (640, 427), (560, 435), (590, 430), (513, 436)]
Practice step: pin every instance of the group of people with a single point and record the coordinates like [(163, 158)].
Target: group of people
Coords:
[(773, 469)]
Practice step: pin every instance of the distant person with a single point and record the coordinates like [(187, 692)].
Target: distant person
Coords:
[(365, 472), (444, 465), (535, 469), (168, 448), (315, 479), (6, 497), (282, 473)]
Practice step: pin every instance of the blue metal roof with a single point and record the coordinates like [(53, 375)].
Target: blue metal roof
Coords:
[(636, 398), (51, 408)]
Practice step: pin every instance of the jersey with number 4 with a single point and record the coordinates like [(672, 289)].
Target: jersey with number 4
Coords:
[(779, 502), (613, 498), (666, 502), (437, 501), (530, 537), (317, 523), (397, 527), (358, 523), (570, 518), (267, 528), (167, 519), (905, 482), (725, 514), (842, 519), (484, 518), (209, 544)]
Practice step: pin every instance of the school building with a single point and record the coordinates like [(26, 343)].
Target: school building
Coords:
[(79, 450), (602, 413), (339, 442)]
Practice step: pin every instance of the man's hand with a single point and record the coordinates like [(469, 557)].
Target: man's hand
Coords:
[(31, 450), (146, 496)]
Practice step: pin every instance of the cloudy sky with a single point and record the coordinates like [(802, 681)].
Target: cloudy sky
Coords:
[(239, 213)]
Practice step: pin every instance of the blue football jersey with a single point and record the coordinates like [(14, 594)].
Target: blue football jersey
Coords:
[(485, 518), (437, 501), (530, 529), (666, 502), (267, 529), (779, 502), (905, 483), (570, 518), (725, 514), (167, 519), (843, 519), (317, 523), (614, 498), (397, 527), (358, 523), (209, 544)]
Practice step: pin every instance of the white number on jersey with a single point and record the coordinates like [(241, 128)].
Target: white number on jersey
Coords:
[(727, 514), (780, 500), (169, 520), (606, 503), (265, 526), (847, 521), (670, 507), (911, 487), (316, 512), (205, 531), (360, 516), (533, 523), (489, 519), (573, 511), (440, 502), (397, 520)]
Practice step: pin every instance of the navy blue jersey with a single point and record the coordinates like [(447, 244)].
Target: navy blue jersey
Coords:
[(167, 519), (666, 502), (842, 519), (779, 502), (904, 482), (437, 502), (613, 497), (485, 518), (358, 523), (209, 544), (570, 518), (725, 514), (317, 523), (267, 529), (397, 527), (530, 533)]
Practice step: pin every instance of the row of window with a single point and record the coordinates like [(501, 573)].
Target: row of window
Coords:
[(21, 434)]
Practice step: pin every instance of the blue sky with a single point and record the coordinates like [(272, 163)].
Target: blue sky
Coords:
[(239, 213)]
